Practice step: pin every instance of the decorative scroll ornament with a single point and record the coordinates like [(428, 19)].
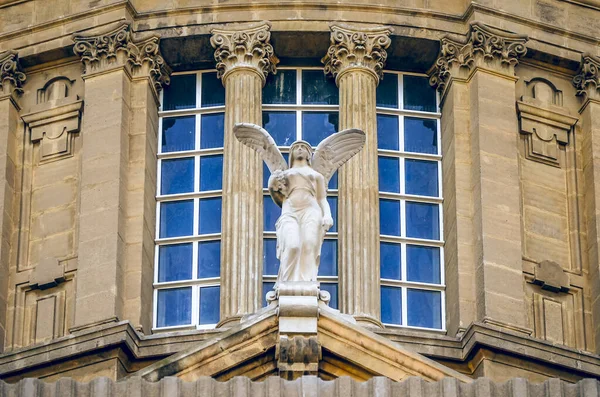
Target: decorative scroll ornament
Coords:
[(587, 81), (100, 52), (484, 46), (11, 76), (351, 48), (244, 48)]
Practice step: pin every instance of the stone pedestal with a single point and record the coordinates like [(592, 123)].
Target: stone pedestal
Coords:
[(356, 59), (244, 59)]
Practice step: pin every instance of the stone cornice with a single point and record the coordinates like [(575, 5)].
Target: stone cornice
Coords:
[(245, 47), (587, 80), (11, 75), (351, 47), (103, 51), (485, 47)]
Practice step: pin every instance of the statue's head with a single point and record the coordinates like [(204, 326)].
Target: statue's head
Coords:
[(301, 149)]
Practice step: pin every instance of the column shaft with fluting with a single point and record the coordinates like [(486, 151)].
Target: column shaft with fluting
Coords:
[(356, 58)]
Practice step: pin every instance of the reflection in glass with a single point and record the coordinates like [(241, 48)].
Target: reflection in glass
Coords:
[(281, 126), (389, 217), (391, 305), (317, 126), (211, 173), (178, 134), (180, 93), (317, 89), (423, 264), (174, 262), (210, 215), (266, 288), (270, 261), (271, 213), (177, 176), (328, 264), (421, 177), (389, 174), (212, 130), (213, 92), (209, 259), (333, 291), (174, 307), (176, 218), (333, 206), (210, 302), (422, 220), (390, 261), (387, 132), (420, 135), (280, 88), (419, 94), (424, 308), (387, 91)]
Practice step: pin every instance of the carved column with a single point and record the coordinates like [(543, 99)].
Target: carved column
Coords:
[(356, 59), (11, 80), (116, 195), (482, 226), (587, 83), (244, 58)]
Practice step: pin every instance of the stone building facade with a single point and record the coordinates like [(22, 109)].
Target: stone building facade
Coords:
[(136, 240)]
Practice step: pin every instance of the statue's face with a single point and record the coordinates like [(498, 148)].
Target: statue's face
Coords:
[(300, 152)]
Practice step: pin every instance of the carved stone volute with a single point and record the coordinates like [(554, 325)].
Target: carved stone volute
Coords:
[(245, 47), (352, 47), (587, 80), (11, 75)]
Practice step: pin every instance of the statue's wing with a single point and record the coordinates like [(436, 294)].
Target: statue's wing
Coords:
[(260, 140), (335, 150)]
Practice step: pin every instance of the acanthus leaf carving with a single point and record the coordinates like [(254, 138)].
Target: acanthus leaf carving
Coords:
[(11, 74), (587, 80), (247, 47), (352, 47)]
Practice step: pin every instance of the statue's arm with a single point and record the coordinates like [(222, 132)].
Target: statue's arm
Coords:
[(323, 203)]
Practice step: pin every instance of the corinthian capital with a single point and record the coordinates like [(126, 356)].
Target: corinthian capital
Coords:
[(11, 76), (357, 48), (484, 47), (587, 81), (144, 59), (245, 47)]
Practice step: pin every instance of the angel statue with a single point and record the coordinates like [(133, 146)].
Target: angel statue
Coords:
[(301, 192)]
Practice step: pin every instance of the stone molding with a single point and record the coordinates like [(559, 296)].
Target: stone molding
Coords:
[(11, 74), (102, 52), (352, 47), (587, 80), (244, 47), (484, 47)]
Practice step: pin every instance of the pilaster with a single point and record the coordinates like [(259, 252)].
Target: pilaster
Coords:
[(587, 83), (244, 58), (11, 80), (356, 58), (482, 227)]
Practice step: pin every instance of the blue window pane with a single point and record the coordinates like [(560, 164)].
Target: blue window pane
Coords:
[(389, 174), (317, 126), (422, 221), (423, 264), (387, 91), (180, 93), (210, 215), (389, 217), (317, 89), (328, 265), (280, 88), (418, 94), (271, 214), (177, 176), (213, 92), (390, 261), (424, 308), (281, 126), (333, 205), (176, 218), (270, 261), (267, 173), (420, 135), (333, 291), (174, 307), (212, 130), (421, 177), (387, 132), (211, 173), (266, 288), (174, 262), (391, 305), (333, 182), (178, 134), (210, 303), (209, 259)]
